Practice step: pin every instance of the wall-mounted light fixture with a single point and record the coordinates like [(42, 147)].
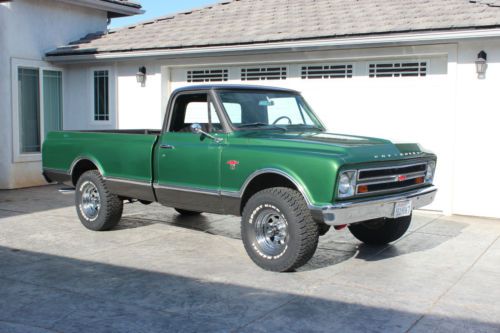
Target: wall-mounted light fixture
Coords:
[(141, 76), (481, 64)]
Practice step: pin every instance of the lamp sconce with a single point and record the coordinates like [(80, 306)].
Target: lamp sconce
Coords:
[(481, 65), (141, 76)]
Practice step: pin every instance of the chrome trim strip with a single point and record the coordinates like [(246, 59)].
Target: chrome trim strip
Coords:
[(363, 210), (390, 179), (186, 189), (81, 158), (127, 181), (231, 194)]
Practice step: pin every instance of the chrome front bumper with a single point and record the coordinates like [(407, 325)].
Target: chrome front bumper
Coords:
[(373, 208)]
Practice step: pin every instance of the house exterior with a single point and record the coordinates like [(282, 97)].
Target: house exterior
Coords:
[(32, 91), (402, 70)]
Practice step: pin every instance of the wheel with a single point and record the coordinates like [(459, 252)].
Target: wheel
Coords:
[(187, 212), (97, 208), (323, 228), (278, 230), (380, 231)]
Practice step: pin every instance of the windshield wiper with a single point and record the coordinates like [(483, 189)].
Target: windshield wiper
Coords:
[(306, 126), (261, 125)]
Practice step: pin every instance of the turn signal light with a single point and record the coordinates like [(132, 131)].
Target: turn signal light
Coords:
[(419, 180), (362, 189)]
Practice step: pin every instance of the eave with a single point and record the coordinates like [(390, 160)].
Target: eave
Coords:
[(113, 9), (309, 45)]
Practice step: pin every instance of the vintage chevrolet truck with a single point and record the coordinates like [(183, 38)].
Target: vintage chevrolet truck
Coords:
[(256, 152)]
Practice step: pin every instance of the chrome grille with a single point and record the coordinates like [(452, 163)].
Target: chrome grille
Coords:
[(390, 179)]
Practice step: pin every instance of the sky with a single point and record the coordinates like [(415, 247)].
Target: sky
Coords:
[(156, 8)]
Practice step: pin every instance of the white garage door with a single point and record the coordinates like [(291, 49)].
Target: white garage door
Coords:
[(404, 100)]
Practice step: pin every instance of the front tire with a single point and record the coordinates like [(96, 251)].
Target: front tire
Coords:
[(381, 231), (278, 230), (97, 208)]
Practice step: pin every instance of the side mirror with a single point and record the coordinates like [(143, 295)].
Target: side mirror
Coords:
[(197, 129)]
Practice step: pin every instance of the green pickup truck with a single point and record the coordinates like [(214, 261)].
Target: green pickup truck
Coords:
[(256, 152)]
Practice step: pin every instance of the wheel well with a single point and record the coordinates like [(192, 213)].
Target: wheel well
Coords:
[(262, 182), (80, 168)]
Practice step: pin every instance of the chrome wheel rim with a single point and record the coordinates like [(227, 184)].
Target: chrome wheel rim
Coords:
[(271, 232), (91, 201)]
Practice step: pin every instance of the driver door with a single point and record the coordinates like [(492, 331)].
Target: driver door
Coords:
[(188, 164)]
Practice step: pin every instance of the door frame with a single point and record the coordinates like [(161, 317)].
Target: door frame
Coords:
[(209, 200)]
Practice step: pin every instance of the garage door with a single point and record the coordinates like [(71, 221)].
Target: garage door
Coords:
[(404, 100)]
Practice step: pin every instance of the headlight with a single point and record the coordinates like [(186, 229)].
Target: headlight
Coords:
[(347, 184), (429, 174)]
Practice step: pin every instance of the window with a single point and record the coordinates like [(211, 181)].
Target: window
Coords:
[(52, 101), (263, 73), (207, 75), (271, 110), (101, 95), (194, 109), (39, 107), (326, 72), (398, 69), (29, 109), (197, 112)]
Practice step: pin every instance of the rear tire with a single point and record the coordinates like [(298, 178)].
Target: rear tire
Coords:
[(381, 231), (278, 230), (97, 208), (187, 212)]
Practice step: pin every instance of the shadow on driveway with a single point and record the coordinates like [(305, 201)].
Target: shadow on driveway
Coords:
[(46, 293)]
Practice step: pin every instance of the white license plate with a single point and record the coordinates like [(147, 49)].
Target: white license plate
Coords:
[(402, 208)]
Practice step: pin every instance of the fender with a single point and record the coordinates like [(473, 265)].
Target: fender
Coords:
[(82, 158), (298, 185)]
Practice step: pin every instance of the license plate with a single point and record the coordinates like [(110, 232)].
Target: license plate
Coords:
[(402, 208)]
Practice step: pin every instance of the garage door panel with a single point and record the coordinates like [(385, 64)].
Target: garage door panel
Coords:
[(402, 109)]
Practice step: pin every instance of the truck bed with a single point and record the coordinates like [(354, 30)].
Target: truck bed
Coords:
[(120, 155)]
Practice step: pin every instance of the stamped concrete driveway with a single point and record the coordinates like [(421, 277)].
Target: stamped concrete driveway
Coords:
[(159, 272)]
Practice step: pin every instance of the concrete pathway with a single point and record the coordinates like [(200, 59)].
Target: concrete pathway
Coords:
[(159, 272)]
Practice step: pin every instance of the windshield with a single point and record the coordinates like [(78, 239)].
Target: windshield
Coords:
[(286, 111)]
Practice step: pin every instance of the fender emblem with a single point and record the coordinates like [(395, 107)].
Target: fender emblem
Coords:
[(232, 164)]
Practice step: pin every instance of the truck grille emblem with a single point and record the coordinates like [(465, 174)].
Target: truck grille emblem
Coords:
[(401, 178), (232, 164)]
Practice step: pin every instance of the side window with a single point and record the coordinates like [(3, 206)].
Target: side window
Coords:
[(194, 109), (101, 95), (233, 110)]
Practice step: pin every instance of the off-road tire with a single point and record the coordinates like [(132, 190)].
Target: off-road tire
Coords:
[(323, 228), (111, 206), (302, 231), (187, 212), (381, 231)]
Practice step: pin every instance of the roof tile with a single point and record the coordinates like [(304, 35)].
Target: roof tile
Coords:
[(259, 21)]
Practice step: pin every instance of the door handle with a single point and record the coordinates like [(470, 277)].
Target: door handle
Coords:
[(167, 147)]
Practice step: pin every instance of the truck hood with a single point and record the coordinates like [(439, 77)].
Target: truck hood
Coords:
[(353, 149)]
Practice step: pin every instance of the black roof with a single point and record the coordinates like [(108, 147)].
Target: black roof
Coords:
[(234, 87)]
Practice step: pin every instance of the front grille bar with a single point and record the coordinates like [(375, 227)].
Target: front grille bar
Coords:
[(390, 179)]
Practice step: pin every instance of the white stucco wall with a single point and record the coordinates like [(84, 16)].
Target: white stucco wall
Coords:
[(477, 134), (131, 105), (30, 28)]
